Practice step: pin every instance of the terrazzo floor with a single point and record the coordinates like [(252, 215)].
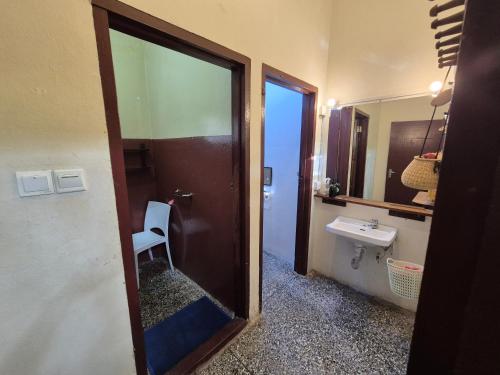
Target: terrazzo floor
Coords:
[(163, 292), (314, 325)]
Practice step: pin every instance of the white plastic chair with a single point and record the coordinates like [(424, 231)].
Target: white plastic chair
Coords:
[(157, 217)]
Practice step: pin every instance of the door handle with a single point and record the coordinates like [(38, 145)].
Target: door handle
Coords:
[(390, 172), (182, 194)]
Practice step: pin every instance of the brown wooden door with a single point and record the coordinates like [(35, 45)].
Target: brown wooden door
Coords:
[(358, 158), (339, 143), (195, 155), (406, 141), (202, 218)]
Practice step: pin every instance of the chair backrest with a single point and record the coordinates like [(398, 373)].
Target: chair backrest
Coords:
[(157, 216)]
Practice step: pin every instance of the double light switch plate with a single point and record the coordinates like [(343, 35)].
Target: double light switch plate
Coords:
[(30, 183)]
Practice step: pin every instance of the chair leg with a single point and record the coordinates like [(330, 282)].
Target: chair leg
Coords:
[(168, 255), (137, 269), (150, 254)]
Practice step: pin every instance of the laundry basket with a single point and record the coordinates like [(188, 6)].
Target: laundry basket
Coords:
[(405, 278)]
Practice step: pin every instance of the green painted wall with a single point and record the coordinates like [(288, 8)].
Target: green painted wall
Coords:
[(134, 107), (166, 94)]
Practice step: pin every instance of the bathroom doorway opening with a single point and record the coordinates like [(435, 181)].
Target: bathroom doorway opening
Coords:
[(287, 147), (175, 110), (281, 171)]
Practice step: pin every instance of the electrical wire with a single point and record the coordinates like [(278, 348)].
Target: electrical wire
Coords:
[(432, 117)]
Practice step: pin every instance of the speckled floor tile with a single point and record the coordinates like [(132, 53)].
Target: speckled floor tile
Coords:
[(226, 363), (314, 325), (163, 292), (290, 339), (281, 273)]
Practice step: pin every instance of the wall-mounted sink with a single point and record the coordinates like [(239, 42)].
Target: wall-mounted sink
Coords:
[(364, 232)]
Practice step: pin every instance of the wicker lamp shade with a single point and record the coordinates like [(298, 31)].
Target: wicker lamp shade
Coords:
[(421, 174), (423, 171)]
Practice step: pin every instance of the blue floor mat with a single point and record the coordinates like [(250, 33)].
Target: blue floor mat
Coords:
[(172, 339)]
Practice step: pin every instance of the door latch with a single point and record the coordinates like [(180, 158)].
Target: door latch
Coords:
[(182, 194)]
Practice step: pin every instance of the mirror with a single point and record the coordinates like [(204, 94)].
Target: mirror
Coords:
[(371, 144)]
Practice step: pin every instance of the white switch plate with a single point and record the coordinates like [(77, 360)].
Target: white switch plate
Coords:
[(69, 180), (30, 183)]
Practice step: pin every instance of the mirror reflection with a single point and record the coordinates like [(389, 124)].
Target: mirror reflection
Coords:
[(370, 145)]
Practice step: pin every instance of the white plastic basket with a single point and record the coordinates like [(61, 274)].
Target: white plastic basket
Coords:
[(405, 278)]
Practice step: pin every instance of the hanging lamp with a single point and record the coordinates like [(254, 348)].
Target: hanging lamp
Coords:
[(423, 171)]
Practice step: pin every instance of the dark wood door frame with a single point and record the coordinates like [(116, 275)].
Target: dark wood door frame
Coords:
[(357, 177), (308, 129), (456, 328), (339, 146), (114, 14)]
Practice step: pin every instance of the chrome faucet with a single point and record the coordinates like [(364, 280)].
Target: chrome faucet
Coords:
[(373, 224)]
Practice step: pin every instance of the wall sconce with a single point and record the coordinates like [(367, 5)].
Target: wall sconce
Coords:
[(435, 87), (332, 102), (325, 109)]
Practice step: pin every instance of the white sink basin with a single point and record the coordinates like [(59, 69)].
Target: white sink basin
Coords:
[(360, 231)]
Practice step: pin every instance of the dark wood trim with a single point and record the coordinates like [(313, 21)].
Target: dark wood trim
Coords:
[(339, 146), (456, 329), (184, 38), (357, 175), (286, 80), (112, 13), (396, 207), (308, 130), (407, 215), (240, 78), (101, 25), (210, 347), (308, 133), (333, 201)]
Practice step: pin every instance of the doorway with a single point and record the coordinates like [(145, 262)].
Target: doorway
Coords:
[(281, 161), (287, 147), (176, 142)]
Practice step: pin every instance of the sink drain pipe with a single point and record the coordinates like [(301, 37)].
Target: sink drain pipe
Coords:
[(359, 251)]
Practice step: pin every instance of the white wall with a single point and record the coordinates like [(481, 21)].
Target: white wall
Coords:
[(381, 48), (64, 308), (332, 254), (282, 148), (63, 305)]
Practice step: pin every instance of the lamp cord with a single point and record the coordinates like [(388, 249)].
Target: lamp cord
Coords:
[(442, 135), (432, 118), (428, 130)]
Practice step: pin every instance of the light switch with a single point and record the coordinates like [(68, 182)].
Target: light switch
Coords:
[(32, 183), (68, 180)]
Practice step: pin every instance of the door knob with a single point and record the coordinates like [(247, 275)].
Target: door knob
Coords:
[(390, 172)]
